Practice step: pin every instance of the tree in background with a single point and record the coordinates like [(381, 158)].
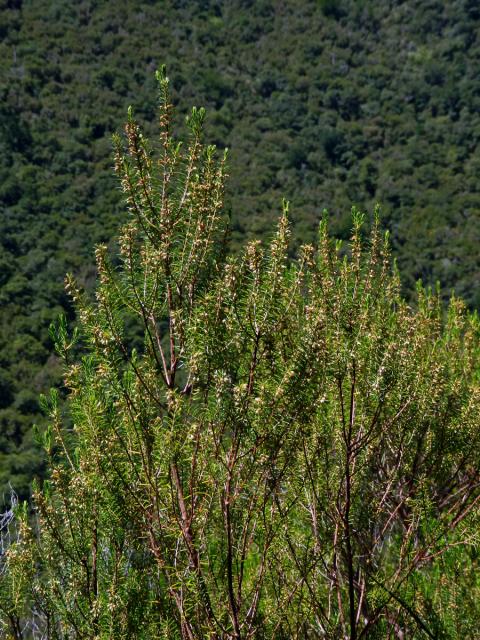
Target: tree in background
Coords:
[(259, 447), (329, 102)]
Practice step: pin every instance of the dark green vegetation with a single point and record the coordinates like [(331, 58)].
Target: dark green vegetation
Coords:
[(325, 103), (290, 450)]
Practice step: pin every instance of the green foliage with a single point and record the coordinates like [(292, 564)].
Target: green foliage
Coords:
[(292, 451), (326, 102)]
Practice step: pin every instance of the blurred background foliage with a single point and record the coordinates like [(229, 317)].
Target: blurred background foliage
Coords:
[(326, 102)]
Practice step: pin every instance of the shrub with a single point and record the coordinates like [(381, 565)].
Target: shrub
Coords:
[(286, 454)]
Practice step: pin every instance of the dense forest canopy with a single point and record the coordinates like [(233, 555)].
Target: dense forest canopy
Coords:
[(324, 102)]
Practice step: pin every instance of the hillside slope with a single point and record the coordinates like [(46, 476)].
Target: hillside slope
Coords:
[(326, 103)]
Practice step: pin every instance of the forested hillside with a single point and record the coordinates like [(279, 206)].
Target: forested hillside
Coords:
[(324, 102)]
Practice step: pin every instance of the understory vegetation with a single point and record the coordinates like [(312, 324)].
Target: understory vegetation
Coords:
[(253, 445)]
